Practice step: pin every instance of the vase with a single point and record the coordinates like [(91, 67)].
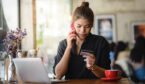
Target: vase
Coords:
[(12, 77)]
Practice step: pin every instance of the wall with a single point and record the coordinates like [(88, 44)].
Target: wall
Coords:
[(125, 12), (27, 22)]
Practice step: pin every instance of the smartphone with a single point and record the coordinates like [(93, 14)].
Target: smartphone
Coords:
[(72, 27)]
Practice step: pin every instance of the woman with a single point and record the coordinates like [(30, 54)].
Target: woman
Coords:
[(70, 62), (111, 54), (137, 58), (120, 52)]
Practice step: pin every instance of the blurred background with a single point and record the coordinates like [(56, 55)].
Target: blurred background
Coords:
[(48, 22)]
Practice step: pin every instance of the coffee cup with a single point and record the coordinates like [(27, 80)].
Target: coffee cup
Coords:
[(113, 73)]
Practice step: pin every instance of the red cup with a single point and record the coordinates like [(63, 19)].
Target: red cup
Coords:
[(113, 73)]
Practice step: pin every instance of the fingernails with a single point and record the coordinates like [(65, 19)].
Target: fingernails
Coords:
[(84, 53), (84, 56)]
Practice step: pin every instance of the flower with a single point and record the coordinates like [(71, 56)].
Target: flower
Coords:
[(13, 40)]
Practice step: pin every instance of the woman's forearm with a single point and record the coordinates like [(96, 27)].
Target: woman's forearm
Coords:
[(62, 66), (98, 71)]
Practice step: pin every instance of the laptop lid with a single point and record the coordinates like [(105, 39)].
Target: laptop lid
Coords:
[(31, 70)]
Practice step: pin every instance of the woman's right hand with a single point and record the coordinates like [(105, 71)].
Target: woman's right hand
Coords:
[(70, 38)]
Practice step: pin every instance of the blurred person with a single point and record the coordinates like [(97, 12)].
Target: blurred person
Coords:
[(140, 41), (111, 53), (120, 52), (73, 64), (120, 57), (137, 58), (119, 48)]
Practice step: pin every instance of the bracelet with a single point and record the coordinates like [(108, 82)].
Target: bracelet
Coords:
[(93, 68)]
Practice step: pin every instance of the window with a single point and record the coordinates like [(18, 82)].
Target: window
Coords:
[(53, 25), (10, 8)]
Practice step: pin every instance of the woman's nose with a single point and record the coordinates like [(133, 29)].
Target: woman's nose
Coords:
[(82, 29)]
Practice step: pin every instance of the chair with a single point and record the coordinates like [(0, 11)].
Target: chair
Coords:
[(133, 76), (128, 71)]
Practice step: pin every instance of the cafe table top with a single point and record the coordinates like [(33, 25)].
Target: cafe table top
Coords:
[(84, 81)]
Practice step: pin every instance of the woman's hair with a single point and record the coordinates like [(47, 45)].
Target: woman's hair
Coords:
[(140, 42), (84, 12), (138, 52), (120, 46), (112, 46)]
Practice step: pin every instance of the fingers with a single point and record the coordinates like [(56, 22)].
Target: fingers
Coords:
[(72, 32), (90, 56), (89, 63), (86, 53), (89, 59), (72, 36)]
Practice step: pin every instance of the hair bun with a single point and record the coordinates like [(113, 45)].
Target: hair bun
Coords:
[(85, 4)]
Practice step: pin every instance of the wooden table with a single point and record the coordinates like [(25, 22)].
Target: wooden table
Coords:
[(122, 81), (98, 81)]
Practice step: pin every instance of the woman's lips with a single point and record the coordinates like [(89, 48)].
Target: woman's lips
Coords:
[(82, 35)]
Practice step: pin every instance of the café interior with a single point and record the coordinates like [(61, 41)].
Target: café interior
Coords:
[(44, 23)]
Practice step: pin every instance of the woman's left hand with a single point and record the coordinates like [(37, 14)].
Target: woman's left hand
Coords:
[(89, 59)]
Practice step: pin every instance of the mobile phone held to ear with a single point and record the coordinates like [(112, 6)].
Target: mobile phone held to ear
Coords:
[(72, 27)]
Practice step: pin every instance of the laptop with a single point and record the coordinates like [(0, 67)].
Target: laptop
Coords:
[(31, 70)]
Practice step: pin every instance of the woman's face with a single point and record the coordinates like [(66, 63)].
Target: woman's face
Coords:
[(82, 27)]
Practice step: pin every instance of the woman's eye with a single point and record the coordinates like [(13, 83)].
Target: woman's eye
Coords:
[(87, 26), (78, 26)]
